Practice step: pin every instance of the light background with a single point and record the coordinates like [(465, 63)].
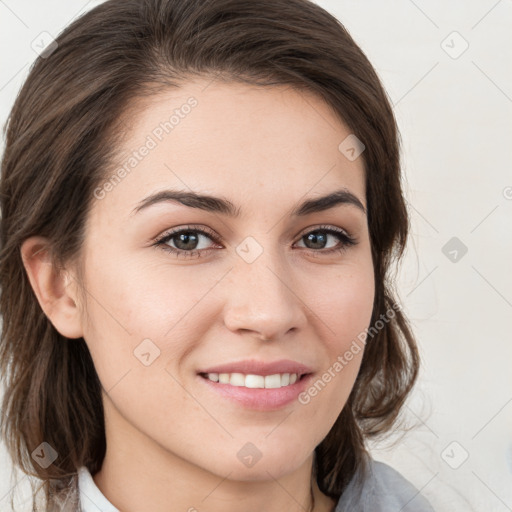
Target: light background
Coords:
[(454, 110)]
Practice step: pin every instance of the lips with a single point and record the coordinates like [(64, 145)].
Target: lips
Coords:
[(256, 399), (254, 367)]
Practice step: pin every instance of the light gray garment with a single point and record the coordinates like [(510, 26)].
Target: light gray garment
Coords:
[(383, 490)]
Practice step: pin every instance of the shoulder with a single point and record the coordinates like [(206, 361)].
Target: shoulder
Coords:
[(380, 488)]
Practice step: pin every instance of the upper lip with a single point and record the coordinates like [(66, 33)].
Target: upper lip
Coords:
[(254, 367)]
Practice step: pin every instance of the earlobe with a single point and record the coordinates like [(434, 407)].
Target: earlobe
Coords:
[(52, 288)]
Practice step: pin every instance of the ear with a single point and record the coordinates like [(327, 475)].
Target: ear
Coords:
[(55, 291)]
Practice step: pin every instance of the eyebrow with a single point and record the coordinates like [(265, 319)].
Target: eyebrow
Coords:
[(224, 206)]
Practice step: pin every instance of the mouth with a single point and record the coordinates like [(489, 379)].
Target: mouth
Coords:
[(256, 392)]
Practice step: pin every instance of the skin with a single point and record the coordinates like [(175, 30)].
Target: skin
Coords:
[(170, 439)]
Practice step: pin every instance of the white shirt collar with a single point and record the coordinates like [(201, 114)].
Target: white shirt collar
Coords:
[(91, 498)]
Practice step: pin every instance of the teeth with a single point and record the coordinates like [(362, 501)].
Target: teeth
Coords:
[(277, 380), (236, 379)]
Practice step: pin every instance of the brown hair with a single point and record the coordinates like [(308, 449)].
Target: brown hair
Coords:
[(59, 141)]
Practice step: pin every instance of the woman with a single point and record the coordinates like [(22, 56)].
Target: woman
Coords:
[(200, 203)]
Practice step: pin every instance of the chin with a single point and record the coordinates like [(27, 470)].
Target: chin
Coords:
[(261, 467), (259, 472)]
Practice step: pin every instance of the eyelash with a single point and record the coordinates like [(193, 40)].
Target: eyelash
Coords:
[(347, 241)]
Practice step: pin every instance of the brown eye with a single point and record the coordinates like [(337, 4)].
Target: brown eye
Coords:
[(186, 242), (317, 239)]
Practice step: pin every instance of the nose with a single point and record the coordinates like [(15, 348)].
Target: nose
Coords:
[(263, 299)]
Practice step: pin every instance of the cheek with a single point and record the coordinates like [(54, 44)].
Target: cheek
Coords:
[(355, 306), (354, 303), (344, 304), (141, 318), (345, 308)]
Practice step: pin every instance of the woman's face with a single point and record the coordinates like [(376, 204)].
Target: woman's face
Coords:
[(264, 285)]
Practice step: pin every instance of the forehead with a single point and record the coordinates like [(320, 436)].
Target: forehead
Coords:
[(247, 143)]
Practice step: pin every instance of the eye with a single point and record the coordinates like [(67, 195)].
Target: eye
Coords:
[(319, 236), (187, 241)]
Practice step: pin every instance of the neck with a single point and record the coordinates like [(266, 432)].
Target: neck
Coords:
[(148, 477)]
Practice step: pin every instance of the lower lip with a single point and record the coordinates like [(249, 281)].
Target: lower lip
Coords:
[(260, 399)]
